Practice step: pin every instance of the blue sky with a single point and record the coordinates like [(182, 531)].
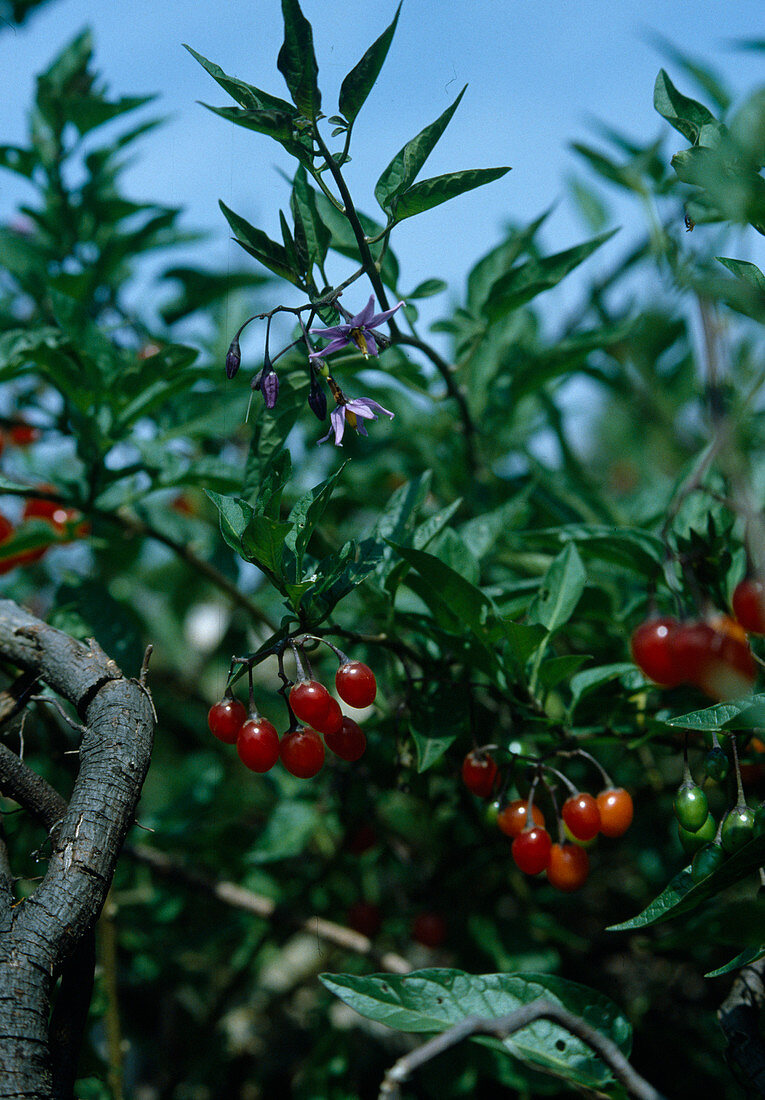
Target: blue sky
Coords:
[(537, 74)]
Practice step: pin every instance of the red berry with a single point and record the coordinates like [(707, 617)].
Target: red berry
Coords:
[(749, 605), (581, 814), (332, 721), (531, 850), (39, 508), (349, 743), (310, 701), (653, 653), (479, 773), (258, 744), (429, 929), (356, 684), (615, 807), (512, 818), (568, 868), (23, 434), (302, 753), (364, 917), (715, 656), (226, 718)]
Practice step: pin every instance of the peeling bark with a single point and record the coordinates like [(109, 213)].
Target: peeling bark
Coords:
[(42, 937)]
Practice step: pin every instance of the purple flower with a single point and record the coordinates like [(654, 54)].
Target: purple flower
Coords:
[(352, 412), (359, 331)]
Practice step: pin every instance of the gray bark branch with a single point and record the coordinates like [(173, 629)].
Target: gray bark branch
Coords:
[(42, 932)]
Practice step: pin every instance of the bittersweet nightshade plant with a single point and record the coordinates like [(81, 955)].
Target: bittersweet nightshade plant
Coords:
[(358, 330)]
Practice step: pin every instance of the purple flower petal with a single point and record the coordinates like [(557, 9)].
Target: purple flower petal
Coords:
[(334, 330), (361, 406), (334, 345), (337, 425), (371, 342), (380, 317), (361, 320)]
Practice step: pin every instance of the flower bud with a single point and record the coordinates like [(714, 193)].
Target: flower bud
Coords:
[(269, 386), (233, 358), (317, 400)]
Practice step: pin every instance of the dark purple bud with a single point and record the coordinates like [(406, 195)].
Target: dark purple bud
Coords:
[(317, 399), (257, 379), (269, 387), (233, 358)]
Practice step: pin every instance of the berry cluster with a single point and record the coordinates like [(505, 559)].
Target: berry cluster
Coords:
[(582, 817), (66, 524), (314, 714), (702, 838), (712, 654)]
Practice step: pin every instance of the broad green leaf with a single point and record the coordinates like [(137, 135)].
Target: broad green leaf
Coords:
[(524, 282), (720, 716), (297, 60), (591, 678), (684, 114), (306, 514), (235, 515), (557, 669), (245, 94), (742, 269), (272, 427), (560, 590), (361, 79), (271, 254), (289, 831), (275, 477), (304, 208), (682, 895), (523, 640), (263, 542), (498, 263), (437, 718), (430, 749), (270, 121), (744, 958), (432, 192), (427, 289), (405, 166), (435, 1000)]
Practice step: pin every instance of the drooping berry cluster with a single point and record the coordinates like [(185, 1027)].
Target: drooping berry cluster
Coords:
[(712, 654), (582, 818), (314, 714), (706, 842)]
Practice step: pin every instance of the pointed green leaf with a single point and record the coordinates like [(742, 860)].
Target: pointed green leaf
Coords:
[(272, 255), (745, 270), (438, 189), (427, 289), (682, 894), (276, 124), (560, 590), (745, 958), (245, 94), (592, 678), (303, 202), (405, 166), (434, 1000), (234, 517), (263, 543), (684, 114), (297, 61), (306, 514), (720, 716), (360, 80), (524, 282)]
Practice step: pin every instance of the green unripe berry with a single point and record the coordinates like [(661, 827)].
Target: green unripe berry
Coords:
[(491, 813), (691, 807), (738, 828), (691, 842), (706, 860), (759, 820), (716, 764)]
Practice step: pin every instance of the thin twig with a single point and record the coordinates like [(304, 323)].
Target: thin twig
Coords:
[(239, 898), (503, 1026)]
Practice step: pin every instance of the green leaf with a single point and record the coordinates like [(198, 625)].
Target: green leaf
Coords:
[(560, 590), (742, 269), (288, 833), (750, 955), (720, 716), (524, 282), (438, 717), (427, 289), (275, 123), (435, 1000), (682, 894), (271, 254), (306, 514), (297, 61), (303, 202), (557, 669), (263, 543), (275, 477), (272, 428), (432, 192), (234, 515), (245, 94), (684, 114), (403, 169), (591, 678), (360, 80)]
